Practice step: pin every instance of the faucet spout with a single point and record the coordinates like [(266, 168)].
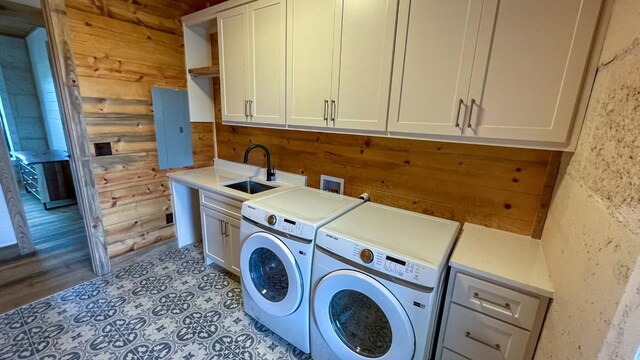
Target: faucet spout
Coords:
[(270, 171)]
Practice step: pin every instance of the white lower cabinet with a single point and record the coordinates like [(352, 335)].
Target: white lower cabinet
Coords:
[(484, 320), (220, 234), (479, 336)]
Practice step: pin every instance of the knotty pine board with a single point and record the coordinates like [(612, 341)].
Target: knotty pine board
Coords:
[(496, 187), (121, 50)]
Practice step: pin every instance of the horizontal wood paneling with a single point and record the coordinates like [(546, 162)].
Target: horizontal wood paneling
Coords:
[(479, 184), (121, 50)]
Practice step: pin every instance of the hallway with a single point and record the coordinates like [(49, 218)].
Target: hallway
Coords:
[(61, 260)]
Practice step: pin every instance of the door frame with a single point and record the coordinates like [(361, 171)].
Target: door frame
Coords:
[(9, 187), (73, 121)]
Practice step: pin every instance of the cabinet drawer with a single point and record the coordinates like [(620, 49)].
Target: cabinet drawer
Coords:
[(480, 337), (450, 355), (505, 304), (220, 203)]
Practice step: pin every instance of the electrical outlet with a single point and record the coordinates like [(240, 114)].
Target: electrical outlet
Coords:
[(103, 149), (169, 218)]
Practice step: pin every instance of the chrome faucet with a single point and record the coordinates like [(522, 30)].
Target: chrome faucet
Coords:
[(271, 173)]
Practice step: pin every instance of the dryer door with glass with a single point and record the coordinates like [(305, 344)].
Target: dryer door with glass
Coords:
[(270, 274), (359, 318)]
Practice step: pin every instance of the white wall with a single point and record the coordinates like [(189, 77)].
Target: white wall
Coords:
[(592, 234), (7, 235), (36, 41)]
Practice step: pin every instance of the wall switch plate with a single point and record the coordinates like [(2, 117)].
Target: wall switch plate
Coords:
[(169, 218)]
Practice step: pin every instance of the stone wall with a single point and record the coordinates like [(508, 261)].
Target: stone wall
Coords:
[(592, 235)]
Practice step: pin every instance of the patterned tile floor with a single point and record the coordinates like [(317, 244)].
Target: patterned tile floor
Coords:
[(168, 305)]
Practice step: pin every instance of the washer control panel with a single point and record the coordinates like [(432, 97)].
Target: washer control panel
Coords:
[(378, 259), (279, 222)]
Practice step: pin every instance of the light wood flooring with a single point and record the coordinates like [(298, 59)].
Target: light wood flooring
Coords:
[(61, 260)]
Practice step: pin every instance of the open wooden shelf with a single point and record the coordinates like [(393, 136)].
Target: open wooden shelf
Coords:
[(207, 71)]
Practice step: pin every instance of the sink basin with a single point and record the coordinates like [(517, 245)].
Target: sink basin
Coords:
[(250, 186)]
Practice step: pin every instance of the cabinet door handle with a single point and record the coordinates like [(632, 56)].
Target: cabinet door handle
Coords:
[(226, 228), (460, 103), (325, 116), (251, 109), (334, 111), (246, 113), (473, 102), (471, 337), (221, 227), (505, 306)]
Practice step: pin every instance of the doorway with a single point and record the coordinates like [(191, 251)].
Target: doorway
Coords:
[(50, 252)]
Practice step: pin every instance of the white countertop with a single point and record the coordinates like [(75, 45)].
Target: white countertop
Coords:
[(512, 259), (225, 172)]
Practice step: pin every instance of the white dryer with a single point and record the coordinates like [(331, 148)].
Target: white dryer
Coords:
[(277, 233), (377, 280)]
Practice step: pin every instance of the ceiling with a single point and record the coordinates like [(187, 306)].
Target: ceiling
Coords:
[(19, 18)]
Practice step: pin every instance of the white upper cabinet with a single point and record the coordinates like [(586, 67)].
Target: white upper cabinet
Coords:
[(433, 63), (309, 61), (339, 60), (267, 51), (232, 43), (251, 42), (362, 60), (529, 68), (508, 70)]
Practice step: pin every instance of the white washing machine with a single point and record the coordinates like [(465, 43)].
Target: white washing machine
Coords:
[(277, 233), (377, 281)]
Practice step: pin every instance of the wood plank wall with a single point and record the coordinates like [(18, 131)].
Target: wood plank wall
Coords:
[(503, 188), (121, 49)]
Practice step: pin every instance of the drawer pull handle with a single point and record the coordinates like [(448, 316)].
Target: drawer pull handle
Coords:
[(470, 337), (480, 298)]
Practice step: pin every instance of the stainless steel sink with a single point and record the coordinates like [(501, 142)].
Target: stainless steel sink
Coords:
[(250, 186)]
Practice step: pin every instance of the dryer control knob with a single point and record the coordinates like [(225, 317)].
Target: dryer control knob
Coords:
[(366, 256), (272, 220)]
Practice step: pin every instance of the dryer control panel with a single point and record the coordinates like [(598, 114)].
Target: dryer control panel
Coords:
[(279, 223), (379, 259)]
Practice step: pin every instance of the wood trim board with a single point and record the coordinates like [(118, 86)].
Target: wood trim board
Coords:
[(77, 137), (9, 187)]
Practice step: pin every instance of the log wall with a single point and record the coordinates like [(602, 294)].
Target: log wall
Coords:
[(122, 49)]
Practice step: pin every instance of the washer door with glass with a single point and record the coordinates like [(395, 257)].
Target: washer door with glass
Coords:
[(270, 274), (359, 318)]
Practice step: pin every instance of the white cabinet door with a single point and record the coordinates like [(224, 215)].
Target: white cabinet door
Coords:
[(362, 58), (266, 61), (233, 238), (529, 66), (232, 43), (433, 64), (309, 62), (213, 236)]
